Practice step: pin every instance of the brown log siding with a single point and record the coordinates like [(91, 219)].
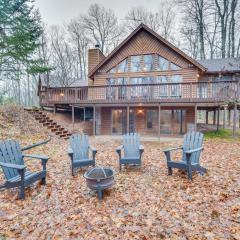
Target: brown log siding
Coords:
[(144, 43)]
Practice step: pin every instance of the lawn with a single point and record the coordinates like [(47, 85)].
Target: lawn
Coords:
[(143, 204)]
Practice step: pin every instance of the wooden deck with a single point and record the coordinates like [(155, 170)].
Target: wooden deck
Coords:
[(172, 93)]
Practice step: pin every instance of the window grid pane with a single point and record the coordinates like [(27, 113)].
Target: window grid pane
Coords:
[(135, 63), (148, 63), (163, 64)]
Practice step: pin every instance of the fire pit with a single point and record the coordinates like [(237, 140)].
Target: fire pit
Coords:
[(99, 178)]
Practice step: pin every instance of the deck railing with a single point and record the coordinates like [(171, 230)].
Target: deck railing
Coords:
[(157, 92)]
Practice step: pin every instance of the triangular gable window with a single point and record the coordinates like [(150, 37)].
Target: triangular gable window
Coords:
[(175, 67), (162, 64), (121, 67)]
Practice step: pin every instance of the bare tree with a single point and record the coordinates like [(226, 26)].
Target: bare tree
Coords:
[(102, 26), (195, 11), (167, 17), (79, 36), (223, 12), (161, 21), (63, 58), (139, 15), (232, 28)]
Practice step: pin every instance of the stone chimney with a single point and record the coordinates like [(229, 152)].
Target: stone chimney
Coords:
[(95, 56)]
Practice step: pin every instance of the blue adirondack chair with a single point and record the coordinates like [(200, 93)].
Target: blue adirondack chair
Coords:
[(14, 169), (79, 151), (191, 151), (133, 150)]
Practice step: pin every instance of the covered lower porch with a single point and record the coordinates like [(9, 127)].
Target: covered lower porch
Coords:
[(153, 120)]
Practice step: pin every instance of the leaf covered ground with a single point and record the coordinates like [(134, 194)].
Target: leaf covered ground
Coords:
[(143, 204)]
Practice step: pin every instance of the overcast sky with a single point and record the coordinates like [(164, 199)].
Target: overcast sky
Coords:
[(59, 11)]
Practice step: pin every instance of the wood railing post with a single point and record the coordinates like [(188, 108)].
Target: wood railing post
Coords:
[(75, 95), (191, 92)]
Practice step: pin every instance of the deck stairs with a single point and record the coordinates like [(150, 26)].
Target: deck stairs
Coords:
[(49, 123)]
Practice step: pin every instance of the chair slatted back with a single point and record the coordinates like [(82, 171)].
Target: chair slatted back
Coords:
[(192, 140), (131, 143), (10, 152), (79, 143)]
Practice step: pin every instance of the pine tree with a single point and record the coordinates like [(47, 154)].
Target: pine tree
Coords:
[(20, 31)]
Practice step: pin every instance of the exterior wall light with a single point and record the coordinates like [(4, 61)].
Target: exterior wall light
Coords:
[(61, 94)]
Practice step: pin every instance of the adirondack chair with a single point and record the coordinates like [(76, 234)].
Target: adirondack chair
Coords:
[(14, 169), (191, 150), (133, 150), (79, 151)]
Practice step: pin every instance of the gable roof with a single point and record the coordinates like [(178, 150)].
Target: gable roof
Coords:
[(221, 65), (153, 33)]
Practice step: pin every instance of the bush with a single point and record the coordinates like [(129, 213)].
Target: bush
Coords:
[(221, 134)]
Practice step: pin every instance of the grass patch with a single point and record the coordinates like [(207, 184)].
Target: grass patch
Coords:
[(220, 134)]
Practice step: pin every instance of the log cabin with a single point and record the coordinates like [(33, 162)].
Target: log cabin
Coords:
[(149, 86)]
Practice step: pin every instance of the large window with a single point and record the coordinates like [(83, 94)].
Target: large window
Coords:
[(144, 63), (163, 88), (135, 63), (175, 67), (141, 91), (176, 87), (151, 118), (111, 90), (122, 89), (113, 70), (148, 61), (116, 92), (123, 66), (163, 64)]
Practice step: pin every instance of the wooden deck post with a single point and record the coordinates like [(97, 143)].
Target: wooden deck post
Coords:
[(94, 121), (229, 117), (218, 118), (235, 120), (128, 130), (206, 116), (224, 117), (159, 120), (54, 110), (214, 117), (73, 116), (84, 114)]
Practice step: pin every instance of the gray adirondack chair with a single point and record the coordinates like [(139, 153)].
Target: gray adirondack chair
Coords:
[(79, 152), (14, 169), (191, 151), (133, 150)]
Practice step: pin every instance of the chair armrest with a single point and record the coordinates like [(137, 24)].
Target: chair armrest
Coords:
[(92, 149), (11, 165), (141, 148), (36, 156), (172, 149), (193, 150), (119, 148), (70, 151), (36, 144), (94, 152)]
